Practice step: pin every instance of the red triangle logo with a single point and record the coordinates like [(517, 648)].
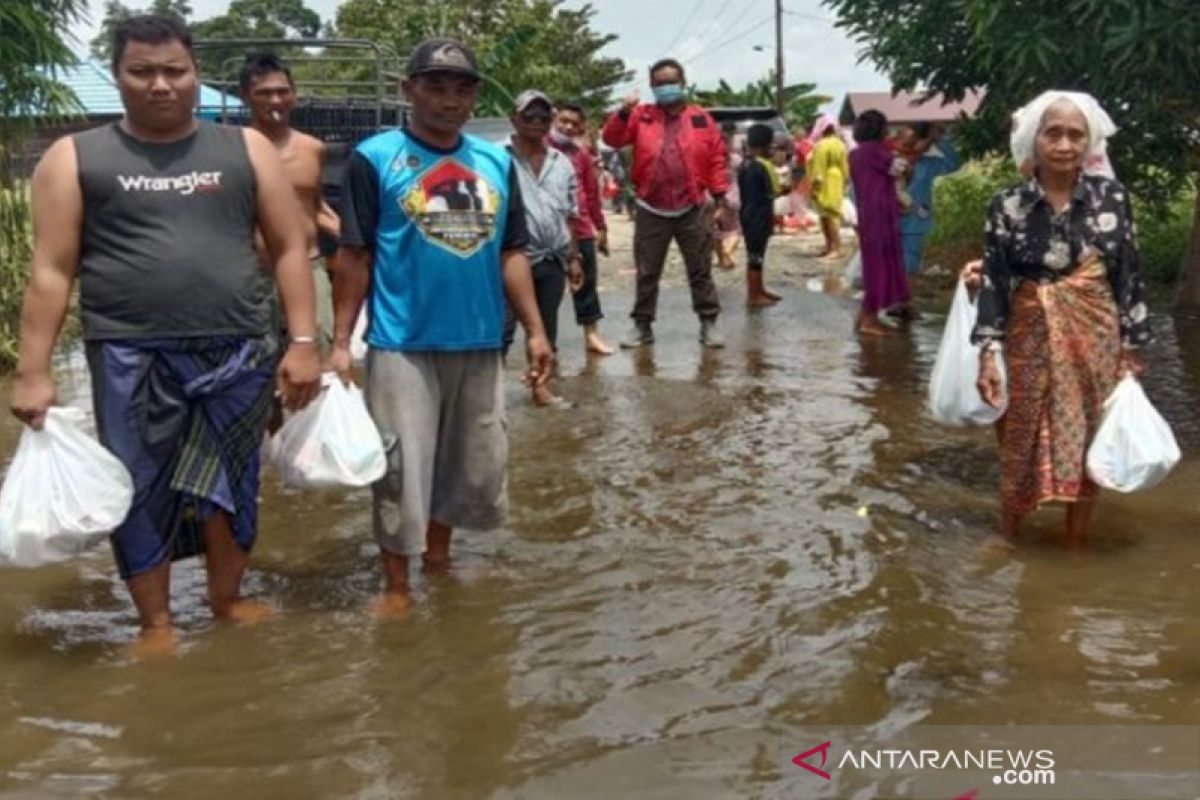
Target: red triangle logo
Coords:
[(802, 760)]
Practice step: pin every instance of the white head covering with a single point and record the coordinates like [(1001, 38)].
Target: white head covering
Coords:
[(1028, 119)]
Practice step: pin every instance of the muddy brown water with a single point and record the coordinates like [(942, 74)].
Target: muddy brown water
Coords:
[(708, 553)]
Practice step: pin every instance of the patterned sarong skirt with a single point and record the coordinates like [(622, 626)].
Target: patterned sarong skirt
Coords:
[(1062, 354)]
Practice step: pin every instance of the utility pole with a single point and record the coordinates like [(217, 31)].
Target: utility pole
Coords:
[(779, 82)]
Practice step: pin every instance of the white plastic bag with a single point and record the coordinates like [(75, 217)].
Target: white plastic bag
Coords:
[(953, 396), (852, 277), (63, 493), (849, 213), (331, 442), (358, 342), (1134, 448)]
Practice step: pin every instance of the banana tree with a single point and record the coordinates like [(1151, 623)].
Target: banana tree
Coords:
[(800, 104)]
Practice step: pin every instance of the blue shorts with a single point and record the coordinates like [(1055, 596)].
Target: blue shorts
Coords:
[(186, 417), (914, 250)]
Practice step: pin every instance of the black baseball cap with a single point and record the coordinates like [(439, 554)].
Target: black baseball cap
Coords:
[(442, 55)]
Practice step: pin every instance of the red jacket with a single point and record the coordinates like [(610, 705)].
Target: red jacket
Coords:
[(699, 139), (591, 216)]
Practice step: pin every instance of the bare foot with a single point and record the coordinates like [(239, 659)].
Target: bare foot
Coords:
[(153, 643), (997, 544), (774, 297), (869, 326), (598, 346), (245, 612), (833, 255), (761, 300), (727, 263), (904, 313), (392, 605), (544, 398), (435, 564)]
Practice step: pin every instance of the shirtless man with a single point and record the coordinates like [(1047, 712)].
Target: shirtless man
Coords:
[(267, 87)]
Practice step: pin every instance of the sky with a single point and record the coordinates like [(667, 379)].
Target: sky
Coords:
[(714, 38)]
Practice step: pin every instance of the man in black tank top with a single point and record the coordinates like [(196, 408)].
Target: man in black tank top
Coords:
[(156, 214)]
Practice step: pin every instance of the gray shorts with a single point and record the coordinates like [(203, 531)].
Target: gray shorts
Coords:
[(441, 416)]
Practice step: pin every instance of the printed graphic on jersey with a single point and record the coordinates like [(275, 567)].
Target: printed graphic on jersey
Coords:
[(454, 207)]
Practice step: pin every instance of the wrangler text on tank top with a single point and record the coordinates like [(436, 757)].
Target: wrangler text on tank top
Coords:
[(168, 236)]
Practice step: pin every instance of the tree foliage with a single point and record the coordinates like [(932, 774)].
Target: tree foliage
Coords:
[(520, 44), (800, 105), (261, 19), (116, 12), (1140, 58), (33, 45), (244, 19)]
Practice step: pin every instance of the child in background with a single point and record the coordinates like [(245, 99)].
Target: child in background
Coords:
[(758, 185), (908, 146)]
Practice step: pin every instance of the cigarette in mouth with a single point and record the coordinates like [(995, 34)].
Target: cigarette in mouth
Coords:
[(276, 116)]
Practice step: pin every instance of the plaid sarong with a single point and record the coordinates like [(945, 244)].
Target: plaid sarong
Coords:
[(186, 417)]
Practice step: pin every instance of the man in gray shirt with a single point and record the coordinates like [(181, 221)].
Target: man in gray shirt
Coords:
[(551, 197)]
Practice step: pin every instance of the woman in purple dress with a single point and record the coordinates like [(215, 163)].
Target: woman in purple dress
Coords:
[(884, 279)]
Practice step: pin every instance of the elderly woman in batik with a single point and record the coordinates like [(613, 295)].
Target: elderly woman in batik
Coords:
[(1061, 302)]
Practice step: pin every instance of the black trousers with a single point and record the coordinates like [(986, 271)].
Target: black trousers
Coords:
[(587, 299), (549, 283), (755, 238), (652, 237)]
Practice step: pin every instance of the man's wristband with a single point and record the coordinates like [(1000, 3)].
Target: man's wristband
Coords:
[(303, 339)]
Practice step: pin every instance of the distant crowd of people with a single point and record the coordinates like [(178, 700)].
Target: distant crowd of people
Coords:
[(200, 307)]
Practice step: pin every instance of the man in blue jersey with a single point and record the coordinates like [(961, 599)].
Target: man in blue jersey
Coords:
[(433, 238)]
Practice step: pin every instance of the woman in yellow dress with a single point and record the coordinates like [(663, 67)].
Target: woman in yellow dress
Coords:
[(829, 167)]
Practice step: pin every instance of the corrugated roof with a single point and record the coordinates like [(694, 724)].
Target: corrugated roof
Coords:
[(910, 107), (94, 85)]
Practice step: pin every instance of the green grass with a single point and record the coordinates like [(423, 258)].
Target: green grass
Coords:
[(16, 242), (1163, 237), (960, 207), (16, 235)]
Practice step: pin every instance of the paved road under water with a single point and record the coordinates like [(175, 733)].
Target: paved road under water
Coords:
[(709, 553)]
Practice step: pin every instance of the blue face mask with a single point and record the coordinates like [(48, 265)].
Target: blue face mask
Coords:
[(668, 93)]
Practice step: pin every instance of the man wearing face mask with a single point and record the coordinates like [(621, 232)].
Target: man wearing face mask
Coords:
[(550, 194), (678, 162)]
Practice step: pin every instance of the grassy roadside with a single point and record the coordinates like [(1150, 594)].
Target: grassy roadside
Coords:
[(16, 237)]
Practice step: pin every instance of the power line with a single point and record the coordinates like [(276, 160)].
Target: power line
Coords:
[(813, 17), (683, 28), (738, 36), (713, 27)]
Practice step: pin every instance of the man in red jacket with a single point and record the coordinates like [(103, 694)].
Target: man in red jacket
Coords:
[(678, 164)]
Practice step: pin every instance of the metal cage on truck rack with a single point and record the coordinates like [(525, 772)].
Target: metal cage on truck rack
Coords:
[(346, 90)]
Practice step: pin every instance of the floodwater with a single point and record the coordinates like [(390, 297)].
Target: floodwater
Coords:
[(709, 553)]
